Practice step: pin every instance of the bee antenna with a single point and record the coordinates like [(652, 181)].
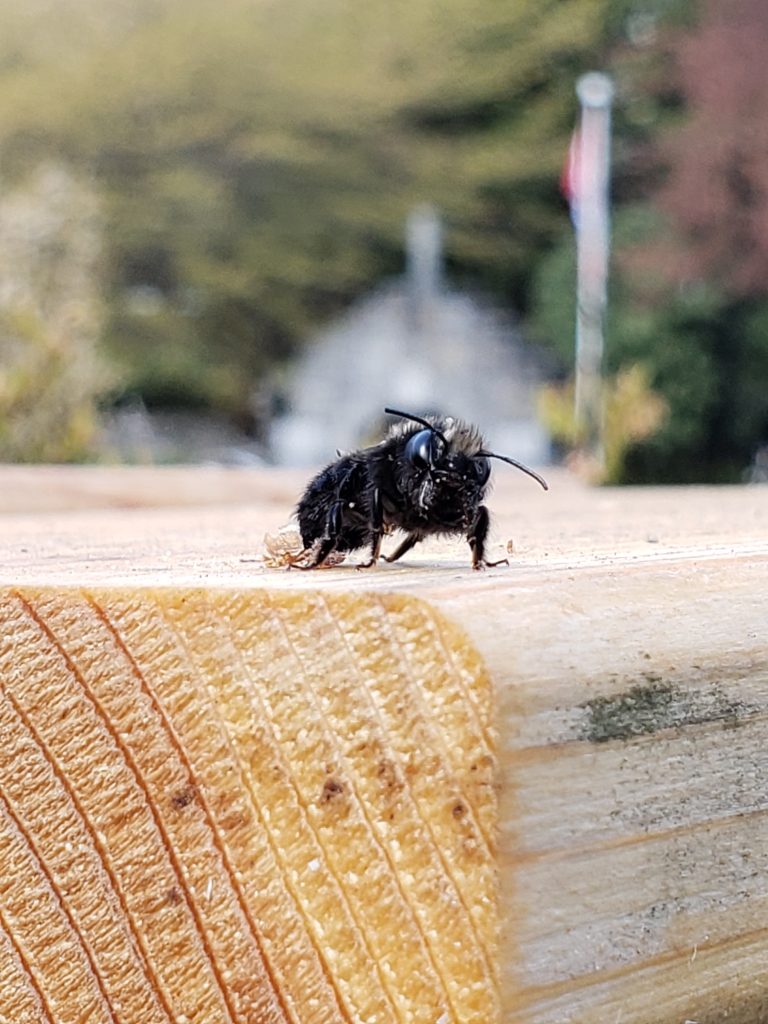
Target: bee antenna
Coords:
[(418, 419), (519, 465)]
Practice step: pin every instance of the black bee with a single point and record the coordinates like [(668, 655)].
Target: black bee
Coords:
[(428, 476)]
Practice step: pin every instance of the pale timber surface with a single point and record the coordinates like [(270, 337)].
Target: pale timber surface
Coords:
[(160, 686)]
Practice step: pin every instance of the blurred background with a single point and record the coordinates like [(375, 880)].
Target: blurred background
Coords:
[(232, 232)]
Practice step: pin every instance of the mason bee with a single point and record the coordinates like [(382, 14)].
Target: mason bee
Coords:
[(428, 476)]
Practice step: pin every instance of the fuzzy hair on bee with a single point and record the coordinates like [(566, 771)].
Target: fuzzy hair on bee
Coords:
[(427, 477)]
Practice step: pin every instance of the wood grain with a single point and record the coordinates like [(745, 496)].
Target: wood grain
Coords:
[(230, 794), (250, 820)]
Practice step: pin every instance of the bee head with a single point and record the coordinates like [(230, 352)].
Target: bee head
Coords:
[(429, 449), (440, 470), (425, 449)]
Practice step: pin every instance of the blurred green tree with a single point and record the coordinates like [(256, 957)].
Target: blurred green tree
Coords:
[(52, 376), (689, 293), (257, 160)]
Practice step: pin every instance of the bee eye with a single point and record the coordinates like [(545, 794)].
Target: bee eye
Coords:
[(482, 469), (423, 449)]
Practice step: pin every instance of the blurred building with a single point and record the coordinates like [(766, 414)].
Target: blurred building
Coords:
[(419, 345)]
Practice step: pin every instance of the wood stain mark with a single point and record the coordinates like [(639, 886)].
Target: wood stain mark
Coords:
[(183, 797), (655, 705), (333, 789)]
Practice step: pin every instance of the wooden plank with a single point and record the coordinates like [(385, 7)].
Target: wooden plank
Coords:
[(58, 488), (634, 754), (228, 793)]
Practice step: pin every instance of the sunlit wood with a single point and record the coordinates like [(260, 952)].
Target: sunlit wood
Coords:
[(235, 794)]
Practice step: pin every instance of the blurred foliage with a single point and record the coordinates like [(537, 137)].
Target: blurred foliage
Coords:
[(254, 162), (688, 294), (257, 159), (632, 412), (705, 351), (52, 376), (47, 407)]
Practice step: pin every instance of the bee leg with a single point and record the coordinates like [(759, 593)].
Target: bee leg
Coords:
[(375, 553), (476, 538), (322, 553), (294, 559), (408, 543), (330, 535), (377, 530)]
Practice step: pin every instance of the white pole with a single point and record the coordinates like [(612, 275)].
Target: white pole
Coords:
[(595, 92), (423, 249)]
